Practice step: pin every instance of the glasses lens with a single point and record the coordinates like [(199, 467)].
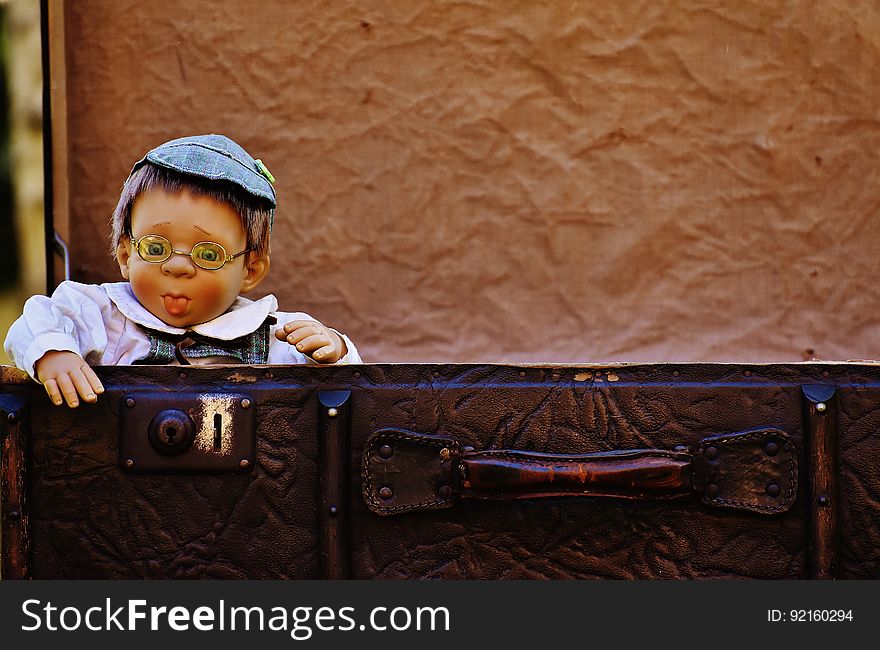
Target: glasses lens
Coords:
[(209, 255), (153, 248)]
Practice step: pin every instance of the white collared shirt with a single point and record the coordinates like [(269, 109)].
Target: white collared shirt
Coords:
[(103, 323)]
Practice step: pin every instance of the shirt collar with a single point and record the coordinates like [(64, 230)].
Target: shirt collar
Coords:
[(241, 319)]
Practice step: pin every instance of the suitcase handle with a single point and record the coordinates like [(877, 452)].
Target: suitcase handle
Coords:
[(635, 474), (752, 470)]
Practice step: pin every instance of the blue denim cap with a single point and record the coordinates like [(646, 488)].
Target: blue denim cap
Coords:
[(214, 157)]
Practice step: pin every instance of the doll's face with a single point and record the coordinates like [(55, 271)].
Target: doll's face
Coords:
[(177, 290)]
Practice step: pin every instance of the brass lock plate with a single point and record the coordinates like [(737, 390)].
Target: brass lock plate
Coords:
[(194, 433)]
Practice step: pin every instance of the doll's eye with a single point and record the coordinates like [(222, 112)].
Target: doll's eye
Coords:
[(153, 248), (209, 255)]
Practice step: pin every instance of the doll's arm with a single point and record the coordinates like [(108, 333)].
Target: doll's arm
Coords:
[(69, 322), (66, 374), (313, 338)]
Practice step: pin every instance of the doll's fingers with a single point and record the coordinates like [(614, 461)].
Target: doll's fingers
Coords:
[(293, 329), (83, 385), (311, 343), (303, 333), (94, 382), (51, 387), (68, 390), (326, 354), (296, 324), (283, 333)]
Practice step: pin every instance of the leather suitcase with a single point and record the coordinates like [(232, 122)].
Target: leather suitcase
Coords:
[(447, 471)]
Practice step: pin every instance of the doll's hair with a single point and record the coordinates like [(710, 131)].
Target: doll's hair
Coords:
[(256, 214)]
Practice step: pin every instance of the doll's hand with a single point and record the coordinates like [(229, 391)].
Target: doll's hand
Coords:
[(67, 374), (312, 338)]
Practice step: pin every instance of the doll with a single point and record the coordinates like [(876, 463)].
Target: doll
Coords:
[(190, 234)]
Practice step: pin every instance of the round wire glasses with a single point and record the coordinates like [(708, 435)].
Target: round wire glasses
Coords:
[(206, 254)]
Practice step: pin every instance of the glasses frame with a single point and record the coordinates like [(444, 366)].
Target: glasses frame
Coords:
[(226, 256)]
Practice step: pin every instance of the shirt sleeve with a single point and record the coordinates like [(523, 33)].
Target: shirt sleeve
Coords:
[(283, 352), (70, 320)]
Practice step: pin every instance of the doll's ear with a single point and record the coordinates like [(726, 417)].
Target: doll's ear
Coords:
[(123, 253), (255, 269)]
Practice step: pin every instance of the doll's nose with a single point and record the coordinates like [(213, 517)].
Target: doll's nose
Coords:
[(179, 266)]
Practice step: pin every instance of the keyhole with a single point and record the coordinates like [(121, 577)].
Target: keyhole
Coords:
[(171, 432), (218, 430)]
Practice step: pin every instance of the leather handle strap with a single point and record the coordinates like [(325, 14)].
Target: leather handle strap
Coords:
[(752, 470), (636, 474)]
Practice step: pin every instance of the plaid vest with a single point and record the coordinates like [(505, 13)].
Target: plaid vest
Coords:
[(250, 349)]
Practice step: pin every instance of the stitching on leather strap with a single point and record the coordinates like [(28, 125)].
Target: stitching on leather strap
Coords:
[(792, 470), (368, 482)]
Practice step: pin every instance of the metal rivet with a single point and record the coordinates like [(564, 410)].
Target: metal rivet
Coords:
[(824, 501), (244, 463), (821, 407), (675, 373), (129, 463), (357, 375), (436, 374), (445, 492), (772, 448), (522, 373), (445, 454), (773, 490), (747, 373), (712, 490), (245, 403), (267, 375), (386, 451), (14, 513), (129, 402), (333, 511), (712, 453), (385, 493), (824, 373), (181, 375), (332, 412), (12, 417)]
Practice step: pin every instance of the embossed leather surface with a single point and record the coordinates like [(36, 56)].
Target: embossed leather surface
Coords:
[(858, 480), (572, 410), (89, 519)]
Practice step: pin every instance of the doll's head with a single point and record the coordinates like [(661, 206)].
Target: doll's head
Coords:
[(191, 228)]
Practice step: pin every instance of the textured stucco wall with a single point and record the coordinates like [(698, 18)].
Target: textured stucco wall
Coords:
[(520, 181)]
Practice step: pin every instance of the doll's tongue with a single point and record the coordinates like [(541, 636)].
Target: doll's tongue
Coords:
[(175, 306)]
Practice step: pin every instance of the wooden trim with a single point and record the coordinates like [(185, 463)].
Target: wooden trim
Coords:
[(58, 165), (14, 526), (12, 375), (334, 421), (821, 442)]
